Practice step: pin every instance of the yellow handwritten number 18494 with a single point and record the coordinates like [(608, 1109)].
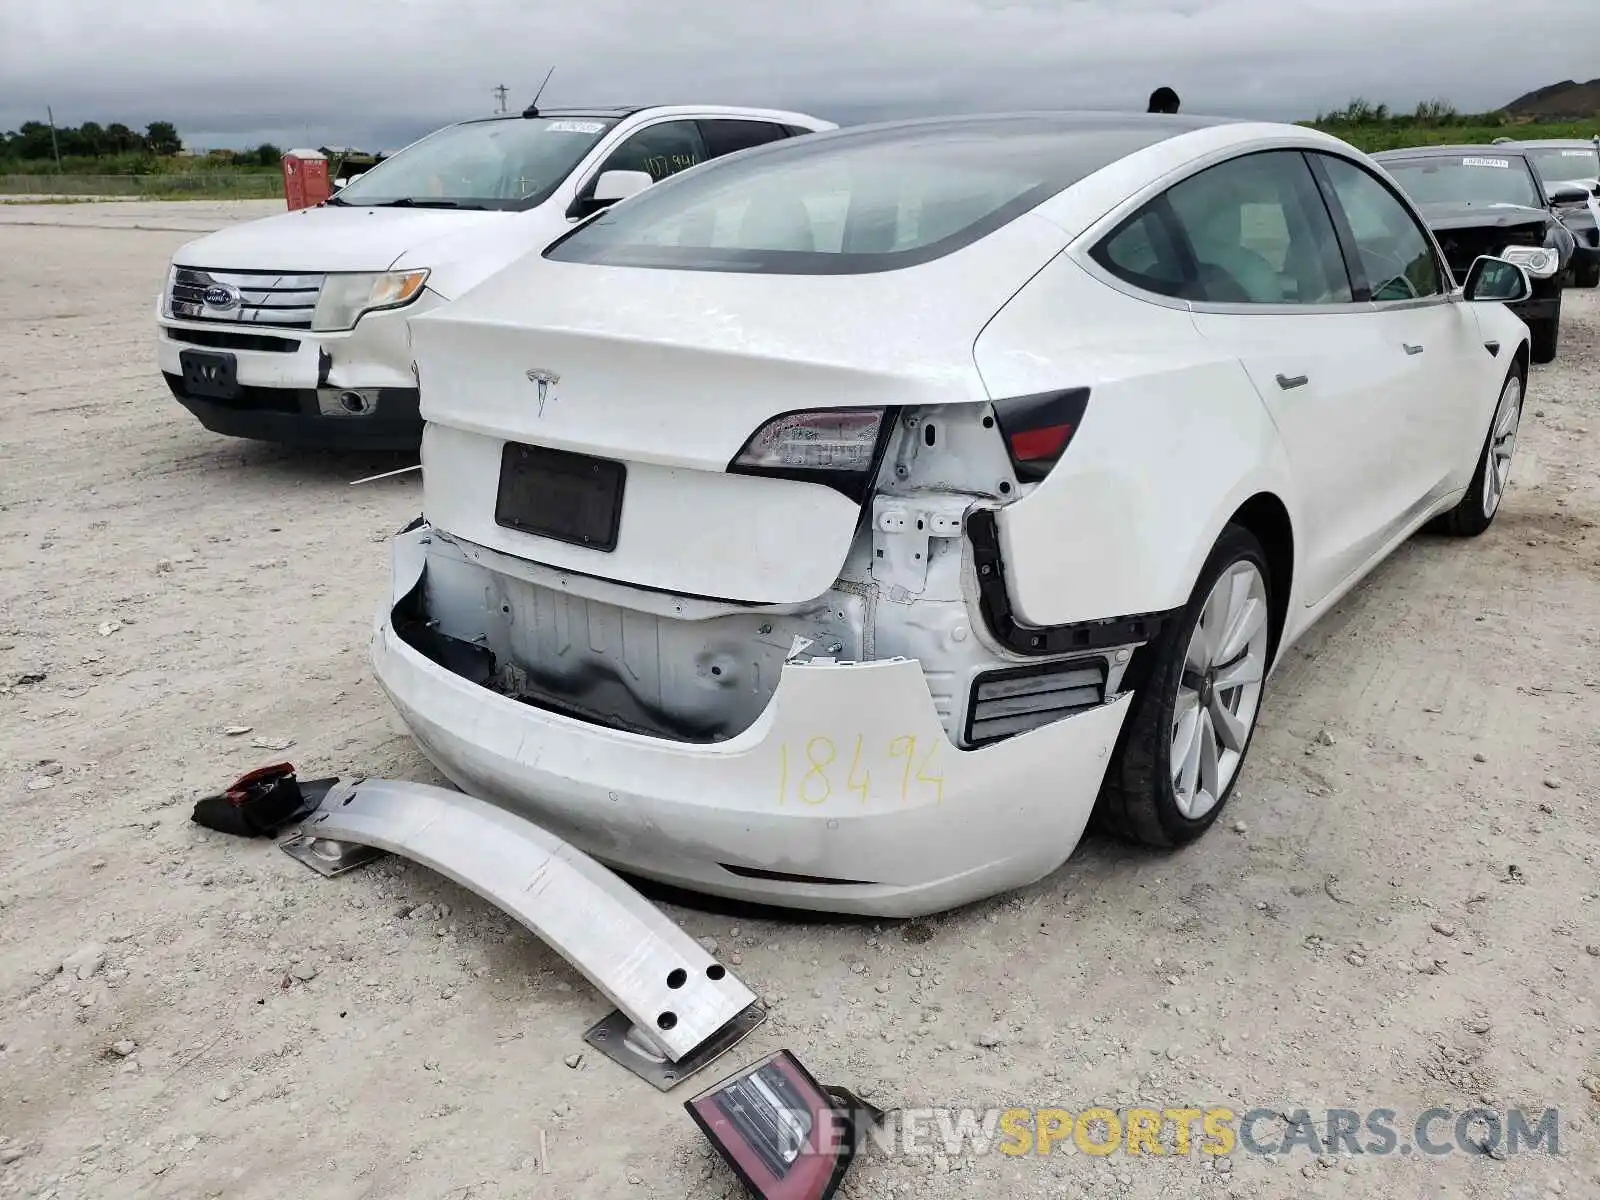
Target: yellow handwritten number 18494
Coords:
[(809, 772)]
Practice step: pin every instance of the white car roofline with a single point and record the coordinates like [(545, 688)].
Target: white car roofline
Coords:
[(782, 116)]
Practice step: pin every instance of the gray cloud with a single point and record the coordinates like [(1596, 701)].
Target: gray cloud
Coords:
[(380, 72)]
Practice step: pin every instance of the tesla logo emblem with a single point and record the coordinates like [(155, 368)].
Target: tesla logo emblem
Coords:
[(545, 381), (210, 373)]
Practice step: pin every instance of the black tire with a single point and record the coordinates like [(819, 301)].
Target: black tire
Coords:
[(1138, 801), (1587, 274), (1545, 338), (1467, 519)]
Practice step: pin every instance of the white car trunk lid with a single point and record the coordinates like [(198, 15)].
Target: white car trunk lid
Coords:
[(670, 373)]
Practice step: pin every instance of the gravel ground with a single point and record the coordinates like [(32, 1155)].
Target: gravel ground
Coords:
[(1399, 910)]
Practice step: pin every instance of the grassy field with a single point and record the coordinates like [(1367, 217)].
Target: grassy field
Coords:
[(1399, 132), (232, 184)]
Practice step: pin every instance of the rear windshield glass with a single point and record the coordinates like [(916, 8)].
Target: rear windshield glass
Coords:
[(1485, 178), (505, 164), (854, 202)]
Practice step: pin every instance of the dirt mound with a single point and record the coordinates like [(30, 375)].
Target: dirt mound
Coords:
[(1564, 100)]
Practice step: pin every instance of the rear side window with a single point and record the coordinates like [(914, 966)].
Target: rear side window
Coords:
[(726, 137), (1253, 230), (1144, 254)]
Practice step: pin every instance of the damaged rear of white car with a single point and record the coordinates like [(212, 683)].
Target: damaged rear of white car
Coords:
[(791, 531)]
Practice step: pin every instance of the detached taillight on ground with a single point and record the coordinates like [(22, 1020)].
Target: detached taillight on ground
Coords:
[(785, 1135), (1038, 428), (837, 447)]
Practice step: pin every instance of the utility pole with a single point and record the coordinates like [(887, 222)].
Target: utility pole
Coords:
[(502, 92), (54, 145)]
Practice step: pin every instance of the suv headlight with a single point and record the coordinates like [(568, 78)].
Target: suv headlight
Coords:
[(1540, 262), (345, 299)]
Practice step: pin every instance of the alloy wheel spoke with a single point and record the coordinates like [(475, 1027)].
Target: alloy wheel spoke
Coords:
[(1508, 424), (1249, 618), (1189, 779), (1214, 619), (1229, 727), (1247, 668), (1210, 772)]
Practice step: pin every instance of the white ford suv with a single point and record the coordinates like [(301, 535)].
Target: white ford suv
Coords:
[(293, 328)]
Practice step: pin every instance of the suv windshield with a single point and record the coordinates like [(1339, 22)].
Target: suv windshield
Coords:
[(1470, 179), (1566, 164), (854, 202), (509, 163)]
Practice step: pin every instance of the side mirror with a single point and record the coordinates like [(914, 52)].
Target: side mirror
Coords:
[(341, 182), (1496, 281), (1569, 195), (613, 186)]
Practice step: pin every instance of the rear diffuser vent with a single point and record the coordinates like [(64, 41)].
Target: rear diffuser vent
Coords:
[(1006, 703)]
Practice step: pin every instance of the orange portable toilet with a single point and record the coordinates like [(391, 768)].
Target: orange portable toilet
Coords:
[(305, 178)]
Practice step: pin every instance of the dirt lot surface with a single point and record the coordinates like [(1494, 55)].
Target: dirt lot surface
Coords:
[(1400, 910)]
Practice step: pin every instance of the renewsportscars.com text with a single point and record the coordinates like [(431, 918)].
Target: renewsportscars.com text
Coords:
[(1214, 1130)]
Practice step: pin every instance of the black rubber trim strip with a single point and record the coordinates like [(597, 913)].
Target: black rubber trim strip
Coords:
[(785, 877), (995, 604)]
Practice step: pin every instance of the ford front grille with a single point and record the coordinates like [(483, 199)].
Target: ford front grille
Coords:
[(243, 297)]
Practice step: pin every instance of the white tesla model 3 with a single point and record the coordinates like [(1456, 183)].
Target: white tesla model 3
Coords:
[(835, 524)]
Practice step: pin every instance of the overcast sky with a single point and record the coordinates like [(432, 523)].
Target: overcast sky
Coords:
[(377, 73)]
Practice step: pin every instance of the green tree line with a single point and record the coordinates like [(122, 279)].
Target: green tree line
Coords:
[(106, 149)]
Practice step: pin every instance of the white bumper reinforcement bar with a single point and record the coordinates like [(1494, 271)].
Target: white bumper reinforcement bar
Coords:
[(684, 1007)]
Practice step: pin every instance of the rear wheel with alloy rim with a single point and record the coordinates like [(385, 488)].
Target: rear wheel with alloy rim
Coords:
[(1478, 507), (1193, 719)]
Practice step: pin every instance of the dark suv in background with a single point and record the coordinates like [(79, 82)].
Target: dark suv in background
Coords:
[(1490, 200)]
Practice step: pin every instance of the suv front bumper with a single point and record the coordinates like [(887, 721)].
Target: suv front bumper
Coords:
[(845, 795), (291, 380)]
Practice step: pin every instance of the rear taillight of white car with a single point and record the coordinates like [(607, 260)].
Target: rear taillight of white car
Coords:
[(1037, 429), (836, 447)]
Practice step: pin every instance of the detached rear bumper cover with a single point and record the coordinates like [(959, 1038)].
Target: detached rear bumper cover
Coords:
[(846, 794)]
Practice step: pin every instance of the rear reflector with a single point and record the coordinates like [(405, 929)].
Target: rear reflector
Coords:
[(1006, 703), (1038, 428), (1035, 445)]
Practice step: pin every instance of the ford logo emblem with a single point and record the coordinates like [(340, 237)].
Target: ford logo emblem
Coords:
[(222, 295)]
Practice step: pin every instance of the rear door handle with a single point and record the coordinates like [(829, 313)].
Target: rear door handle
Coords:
[(1410, 349), (1289, 382)]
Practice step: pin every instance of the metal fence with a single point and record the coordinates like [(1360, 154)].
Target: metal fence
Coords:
[(234, 185)]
